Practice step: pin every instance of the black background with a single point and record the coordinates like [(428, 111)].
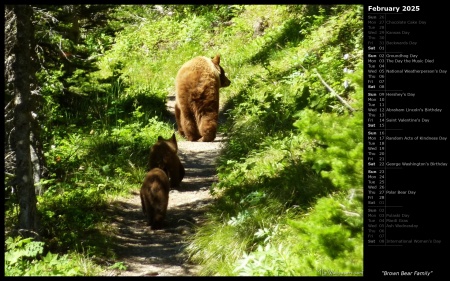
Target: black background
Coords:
[(428, 208)]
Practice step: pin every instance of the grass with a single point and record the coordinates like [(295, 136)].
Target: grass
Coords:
[(290, 178)]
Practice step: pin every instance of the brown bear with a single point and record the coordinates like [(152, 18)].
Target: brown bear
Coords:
[(197, 98), (155, 197), (163, 155)]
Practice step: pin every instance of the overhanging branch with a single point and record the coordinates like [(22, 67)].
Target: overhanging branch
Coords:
[(334, 92)]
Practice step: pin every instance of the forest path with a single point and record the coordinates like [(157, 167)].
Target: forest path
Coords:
[(147, 252)]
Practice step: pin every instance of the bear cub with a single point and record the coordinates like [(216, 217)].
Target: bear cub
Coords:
[(197, 97), (163, 155), (155, 197)]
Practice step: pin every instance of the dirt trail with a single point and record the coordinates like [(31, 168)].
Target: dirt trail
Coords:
[(160, 253)]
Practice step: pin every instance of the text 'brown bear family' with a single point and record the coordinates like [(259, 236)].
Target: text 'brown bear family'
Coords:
[(197, 98)]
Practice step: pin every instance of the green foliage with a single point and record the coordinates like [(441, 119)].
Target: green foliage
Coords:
[(228, 246), (72, 217), (290, 177), (88, 169), (25, 257), (266, 261), (66, 52), (212, 12), (326, 239), (118, 265), (290, 144), (334, 229), (338, 154)]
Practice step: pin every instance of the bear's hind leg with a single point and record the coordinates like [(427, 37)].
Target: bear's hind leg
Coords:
[(190, 127), (208, 129), (150, 215), (148, 209), (178, 120)]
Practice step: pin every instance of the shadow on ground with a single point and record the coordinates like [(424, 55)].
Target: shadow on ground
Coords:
[(147, 252), (154, 250)]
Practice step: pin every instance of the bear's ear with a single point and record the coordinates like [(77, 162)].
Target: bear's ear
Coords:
[(216, 59), (173, 142)]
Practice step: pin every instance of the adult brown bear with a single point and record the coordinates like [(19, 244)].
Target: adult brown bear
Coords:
[(197, 98), (155, 197), (163, 155)]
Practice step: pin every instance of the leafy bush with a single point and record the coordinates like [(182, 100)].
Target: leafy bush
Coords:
[(88, 169), (25, 257), (339, 137), (291, 145), (290, 177), (327, 239)]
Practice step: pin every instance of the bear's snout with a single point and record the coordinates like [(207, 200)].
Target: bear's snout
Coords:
[(225, 83)]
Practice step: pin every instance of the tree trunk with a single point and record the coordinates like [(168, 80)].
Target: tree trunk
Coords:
[(22, 118), (37, 154)]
